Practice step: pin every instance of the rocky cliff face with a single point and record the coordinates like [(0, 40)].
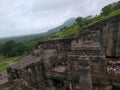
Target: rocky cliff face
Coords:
[(109, 30), (111, 38)]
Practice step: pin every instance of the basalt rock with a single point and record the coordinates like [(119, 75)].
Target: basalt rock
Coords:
[(109, 30), (16, 85), (88, 62)]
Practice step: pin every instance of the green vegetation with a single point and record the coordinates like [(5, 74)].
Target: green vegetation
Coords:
[(114, 13), (67, 32), (106, 12), (4, 61), (11, 48), (12, 51), (110, 8)]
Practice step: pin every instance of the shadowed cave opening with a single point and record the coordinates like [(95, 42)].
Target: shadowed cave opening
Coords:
[(58, 83), (116, 87)]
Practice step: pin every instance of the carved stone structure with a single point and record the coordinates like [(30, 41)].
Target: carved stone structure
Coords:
[(16, 85), (75, 63)]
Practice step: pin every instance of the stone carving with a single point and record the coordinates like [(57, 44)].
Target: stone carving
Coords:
[(74, 64), (37, 52)]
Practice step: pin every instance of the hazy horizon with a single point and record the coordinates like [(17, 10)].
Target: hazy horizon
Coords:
[(23, 17)]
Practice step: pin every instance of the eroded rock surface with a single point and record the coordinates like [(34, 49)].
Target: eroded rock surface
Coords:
[(109, 35), (16, 85), (82, 63)]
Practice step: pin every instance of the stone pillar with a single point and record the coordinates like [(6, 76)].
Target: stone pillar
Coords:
[(85, 81), (71, 86), (65, 85), (38, 77), (30, 75), (50, 83)]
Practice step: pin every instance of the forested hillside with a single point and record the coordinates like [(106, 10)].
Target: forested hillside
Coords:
[(80, 22)]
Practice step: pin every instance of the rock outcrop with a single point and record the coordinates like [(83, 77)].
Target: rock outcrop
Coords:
[(88, 62), (109, 35), (16, 85)]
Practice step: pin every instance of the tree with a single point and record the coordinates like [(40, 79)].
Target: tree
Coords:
[(80, 21), (107, 10), (0, 48), (7, 48), (84, 21), (116, 6), (88, 19), (11, 48), (19, 49)]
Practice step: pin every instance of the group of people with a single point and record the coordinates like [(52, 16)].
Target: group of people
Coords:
[(113, 68)]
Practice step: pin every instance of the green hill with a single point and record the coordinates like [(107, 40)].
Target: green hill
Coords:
[(74, 29), (67, 23)]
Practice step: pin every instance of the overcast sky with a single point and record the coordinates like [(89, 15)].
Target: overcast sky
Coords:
[(20, 17)]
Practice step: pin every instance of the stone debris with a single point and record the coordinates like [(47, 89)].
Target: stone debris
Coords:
[(16, 85), (59, 69)]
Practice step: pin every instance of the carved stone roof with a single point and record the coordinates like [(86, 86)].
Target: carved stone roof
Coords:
[(25, 62), (46, 55)]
